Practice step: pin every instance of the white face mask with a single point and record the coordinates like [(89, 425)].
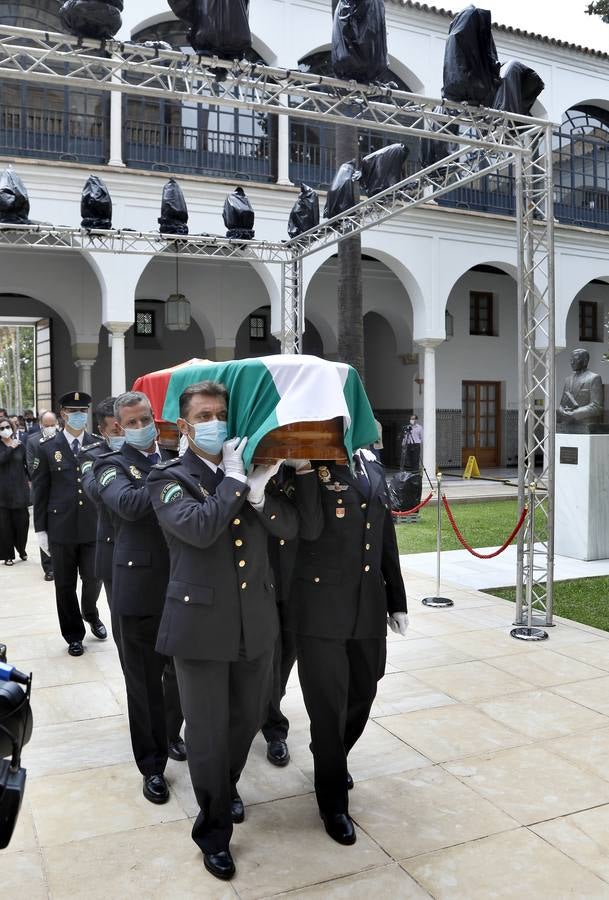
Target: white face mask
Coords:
[(49, 431), (5, 432)]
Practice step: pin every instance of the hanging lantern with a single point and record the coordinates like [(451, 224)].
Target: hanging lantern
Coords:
[(177, 313)]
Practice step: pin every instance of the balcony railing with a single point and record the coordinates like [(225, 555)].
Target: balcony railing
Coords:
[(176, 148), (50, 134), (490, 194)]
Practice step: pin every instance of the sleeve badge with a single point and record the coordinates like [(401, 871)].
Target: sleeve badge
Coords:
[(171, 492), (108, 476), (86, 466)]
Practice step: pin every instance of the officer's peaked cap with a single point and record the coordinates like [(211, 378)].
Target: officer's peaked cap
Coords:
[(75, 400)]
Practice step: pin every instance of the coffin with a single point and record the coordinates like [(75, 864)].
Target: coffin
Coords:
[(289, 406)]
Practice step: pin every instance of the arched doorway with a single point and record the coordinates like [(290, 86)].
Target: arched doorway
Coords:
[(254, 337), (50, 122), (312, 144), (202, 139), (581, 167)]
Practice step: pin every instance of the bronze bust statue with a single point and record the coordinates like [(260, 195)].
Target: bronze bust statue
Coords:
[(582, 397)]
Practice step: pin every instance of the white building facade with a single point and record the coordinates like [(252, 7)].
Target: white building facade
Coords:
[(439, 292)]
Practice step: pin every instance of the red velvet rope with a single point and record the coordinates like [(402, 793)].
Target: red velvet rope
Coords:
[(411, 512), (464, 543)]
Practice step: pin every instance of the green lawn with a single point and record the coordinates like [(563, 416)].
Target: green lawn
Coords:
[(481, 524), (584, 600)]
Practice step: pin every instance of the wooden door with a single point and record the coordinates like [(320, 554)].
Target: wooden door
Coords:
[(481, 409)]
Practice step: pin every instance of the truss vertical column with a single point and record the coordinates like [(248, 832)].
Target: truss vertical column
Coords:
[(537, 414), (292, 306)]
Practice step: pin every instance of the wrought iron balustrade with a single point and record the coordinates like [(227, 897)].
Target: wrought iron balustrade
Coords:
[(53, 134), (177, 148)]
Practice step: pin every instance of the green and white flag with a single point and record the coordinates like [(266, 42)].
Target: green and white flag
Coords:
[(270, 391)]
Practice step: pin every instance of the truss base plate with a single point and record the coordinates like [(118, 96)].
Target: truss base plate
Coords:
[(438, 602), (522, 633)]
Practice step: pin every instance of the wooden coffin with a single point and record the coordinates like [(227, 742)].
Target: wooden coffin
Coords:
[(301, 440)]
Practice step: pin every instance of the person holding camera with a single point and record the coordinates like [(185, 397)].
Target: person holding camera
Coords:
[(412, 438)]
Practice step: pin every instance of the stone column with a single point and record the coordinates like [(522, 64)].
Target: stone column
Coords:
[(84, 367), (283, 148), (429, 404), (117, 346), (116, 128), (219, 353)]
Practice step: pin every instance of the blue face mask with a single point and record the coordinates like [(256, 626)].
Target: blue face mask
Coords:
[(141, 438), (209, 436), (115, 441), (77, 420)]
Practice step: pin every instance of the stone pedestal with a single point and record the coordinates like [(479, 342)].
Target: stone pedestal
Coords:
[(582, 496)]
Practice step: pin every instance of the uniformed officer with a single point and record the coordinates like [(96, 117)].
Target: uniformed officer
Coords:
[(48, 429), (65, 521), (220, 617), (139, 578), (112, 439), (347, 586)]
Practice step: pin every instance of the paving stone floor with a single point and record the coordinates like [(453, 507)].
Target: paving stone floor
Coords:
[(482, 774)]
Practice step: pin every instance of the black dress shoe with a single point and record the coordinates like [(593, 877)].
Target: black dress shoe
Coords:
[(340, 827), (98, 629), (75, 648), (155, 789), (277, 753), (177, 750), (220, 864), (349, 782), (49, 576), (237, 809), (23, 557)]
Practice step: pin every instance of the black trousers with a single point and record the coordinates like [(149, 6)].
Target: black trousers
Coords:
[(68, 561), (153, 701), (277, 725), (14, 526), (46, 562), (339, 681), (413, 456), (116, 622), (224, 706)]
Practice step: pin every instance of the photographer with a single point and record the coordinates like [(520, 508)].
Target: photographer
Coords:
[(15, 731), (412, 438)]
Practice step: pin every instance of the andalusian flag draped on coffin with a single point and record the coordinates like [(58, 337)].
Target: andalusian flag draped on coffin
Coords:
[(270, 391)]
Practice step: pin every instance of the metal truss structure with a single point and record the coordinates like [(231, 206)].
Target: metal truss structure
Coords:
[(487, 141)]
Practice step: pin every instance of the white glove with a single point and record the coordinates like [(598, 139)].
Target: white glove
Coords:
[(299, 465), (43, 542), (232, 456), (258, 479), (398, 623)]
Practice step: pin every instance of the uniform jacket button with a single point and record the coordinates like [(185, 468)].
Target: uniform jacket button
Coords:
[(367, 546), (366, 568), (281, 542), (316, 579), (241, 563), (273, 517), (368, 525), (364, 505), (80, 503), (243, 585), (236, 521), (130, 563), (186, 598), (238, 543), (237, 493)]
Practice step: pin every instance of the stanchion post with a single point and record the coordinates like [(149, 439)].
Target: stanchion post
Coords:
[(529, 632), (438, 602)]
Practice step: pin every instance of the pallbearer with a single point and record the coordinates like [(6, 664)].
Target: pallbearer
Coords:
[(220, 617), (139, 579), (347, 587)]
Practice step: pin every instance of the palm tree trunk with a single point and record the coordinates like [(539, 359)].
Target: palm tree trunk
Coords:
[(350, 290)]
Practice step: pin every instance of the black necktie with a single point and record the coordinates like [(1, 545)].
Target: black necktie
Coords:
[(75, 446), (154, 458)]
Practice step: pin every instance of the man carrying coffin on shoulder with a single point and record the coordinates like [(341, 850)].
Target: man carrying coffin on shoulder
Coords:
[(220, 616)]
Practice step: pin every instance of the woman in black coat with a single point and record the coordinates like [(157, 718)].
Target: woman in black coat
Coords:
[(14, 495)]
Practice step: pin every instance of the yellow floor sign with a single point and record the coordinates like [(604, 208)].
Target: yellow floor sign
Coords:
[(471, 468)]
